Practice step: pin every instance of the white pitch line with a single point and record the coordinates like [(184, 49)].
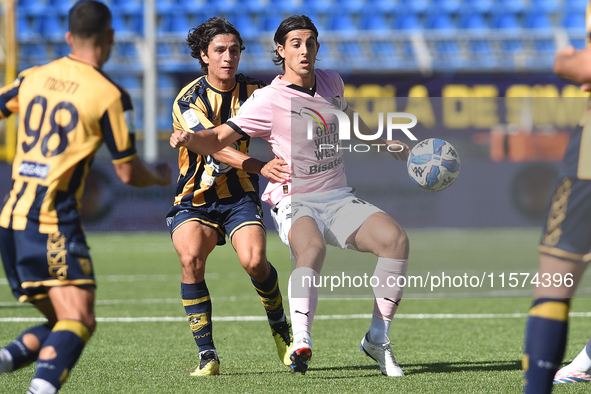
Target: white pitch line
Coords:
[(417, 316)]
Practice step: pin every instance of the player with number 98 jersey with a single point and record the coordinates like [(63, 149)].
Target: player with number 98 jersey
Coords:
[(60, 129)]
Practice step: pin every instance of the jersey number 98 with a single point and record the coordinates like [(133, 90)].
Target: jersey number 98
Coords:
[(56, 129)]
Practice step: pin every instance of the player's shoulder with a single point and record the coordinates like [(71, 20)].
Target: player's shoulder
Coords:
[(191, 91), (328, 75), (243, 79)]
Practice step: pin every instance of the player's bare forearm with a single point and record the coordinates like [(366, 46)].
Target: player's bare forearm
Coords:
[(238, 160), (205, 142), (573, 65), (136, 173), (399, 150)]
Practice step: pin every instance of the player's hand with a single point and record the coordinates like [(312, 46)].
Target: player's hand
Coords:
[(276, 170), (402, 150), (163, 173), (586, 87), (179, 138)]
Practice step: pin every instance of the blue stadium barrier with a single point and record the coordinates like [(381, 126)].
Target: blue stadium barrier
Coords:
[(386, 6), (538, 20), (254, 6), (414, 5), (472, 6), (343, 23), (375, 23), (449, 6), (270, 23), (502, 6), (573, 20), (506, 21), (549, 6), (24, 30), (408, 21), (246, 24), (31, 7), (316, 6), (52, 27), (473, 22), (441, 22), (575, 5)]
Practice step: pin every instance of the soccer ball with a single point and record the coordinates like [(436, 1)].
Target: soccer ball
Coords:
[(433, 164)]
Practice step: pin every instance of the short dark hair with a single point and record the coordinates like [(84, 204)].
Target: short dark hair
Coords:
[(89, 18), (294, 22), (200, 37)]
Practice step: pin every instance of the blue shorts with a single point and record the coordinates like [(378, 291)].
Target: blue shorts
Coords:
[(226, 215), (567, 230), (35, 262)]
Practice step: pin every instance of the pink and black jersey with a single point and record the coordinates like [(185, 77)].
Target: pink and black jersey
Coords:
[(294, 121)]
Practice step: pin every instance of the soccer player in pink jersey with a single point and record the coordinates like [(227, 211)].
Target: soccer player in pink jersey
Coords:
[(315, 207)]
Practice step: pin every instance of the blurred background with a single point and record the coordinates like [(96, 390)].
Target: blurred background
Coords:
[(495, 49)]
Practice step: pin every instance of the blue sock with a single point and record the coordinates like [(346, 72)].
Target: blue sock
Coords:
[(270, 296), (23, 356), (545, 343), (197, 303), (67, 339)]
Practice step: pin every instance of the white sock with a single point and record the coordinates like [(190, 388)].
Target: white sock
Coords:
[(379, 330), (5, 361), (40, 386), (302, 336), (303, 298), (582, 362)]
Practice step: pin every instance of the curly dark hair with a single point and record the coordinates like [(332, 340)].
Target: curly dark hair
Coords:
[(199, 37), (294, 22)]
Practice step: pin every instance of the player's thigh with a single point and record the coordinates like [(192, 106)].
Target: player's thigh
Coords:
[(243, 222), (381, 235), (194, 240), (74, 303), (558, 278)]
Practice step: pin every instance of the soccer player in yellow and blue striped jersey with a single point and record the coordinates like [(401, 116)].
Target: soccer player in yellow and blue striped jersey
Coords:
[(67, 109), (565, 248), (218, 195)]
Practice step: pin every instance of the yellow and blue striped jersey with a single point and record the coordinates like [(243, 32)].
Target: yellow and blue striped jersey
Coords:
[(67, 109), (199, 106)]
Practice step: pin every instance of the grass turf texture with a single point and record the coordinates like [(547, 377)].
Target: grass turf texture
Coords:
[(138, 276)]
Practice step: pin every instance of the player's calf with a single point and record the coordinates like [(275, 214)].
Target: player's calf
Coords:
[(59, 353)]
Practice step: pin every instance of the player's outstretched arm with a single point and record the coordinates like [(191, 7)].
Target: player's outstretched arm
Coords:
[(399, 150), (574, 65), (275, 169), (205, 142), (136, 173)]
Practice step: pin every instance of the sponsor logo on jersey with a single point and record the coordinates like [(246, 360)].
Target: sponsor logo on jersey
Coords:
[(34, 170), (191, 118), (129, 117)]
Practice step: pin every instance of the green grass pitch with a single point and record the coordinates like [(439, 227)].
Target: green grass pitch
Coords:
[(139, 274)]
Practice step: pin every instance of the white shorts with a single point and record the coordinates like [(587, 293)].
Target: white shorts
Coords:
[(338, 213)]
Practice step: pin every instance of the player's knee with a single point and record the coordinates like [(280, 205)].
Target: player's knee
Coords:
[(395, 243), (254, 262), (191, 263)]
